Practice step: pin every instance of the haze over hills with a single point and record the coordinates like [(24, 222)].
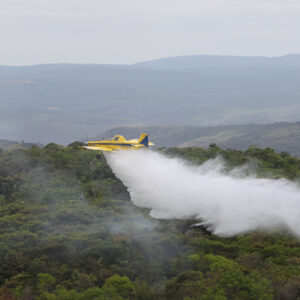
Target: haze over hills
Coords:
[(279, 136), (9, 145), (65, 102), (218, 61)]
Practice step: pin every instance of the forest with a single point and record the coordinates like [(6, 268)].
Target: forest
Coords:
[(69, 231)]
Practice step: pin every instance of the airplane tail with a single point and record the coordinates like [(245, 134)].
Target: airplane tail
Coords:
[(144, 139)]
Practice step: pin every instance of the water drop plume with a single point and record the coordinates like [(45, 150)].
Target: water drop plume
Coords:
[(225, 203)]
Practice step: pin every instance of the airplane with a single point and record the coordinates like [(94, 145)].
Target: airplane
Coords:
[(118, 142)]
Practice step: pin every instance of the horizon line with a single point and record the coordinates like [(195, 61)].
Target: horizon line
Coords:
[(151, 60)]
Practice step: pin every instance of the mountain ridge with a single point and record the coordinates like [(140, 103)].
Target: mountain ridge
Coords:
[(279, 136), (65, 102)]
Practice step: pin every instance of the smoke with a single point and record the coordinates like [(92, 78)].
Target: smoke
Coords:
[(226, 203)]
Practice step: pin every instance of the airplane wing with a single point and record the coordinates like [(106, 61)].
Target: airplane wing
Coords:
[(98, 148)]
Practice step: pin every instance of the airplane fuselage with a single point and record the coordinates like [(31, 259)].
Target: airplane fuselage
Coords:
[(119, 143), (113, 145)]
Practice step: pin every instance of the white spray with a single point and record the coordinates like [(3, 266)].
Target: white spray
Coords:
[(227, 205)]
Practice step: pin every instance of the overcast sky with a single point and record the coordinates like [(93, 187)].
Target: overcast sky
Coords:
[(128, 31)]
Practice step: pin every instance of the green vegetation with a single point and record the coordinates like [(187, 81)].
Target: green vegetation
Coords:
[(68, 230)]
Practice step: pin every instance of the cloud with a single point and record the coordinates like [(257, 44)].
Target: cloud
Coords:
[(149, 7), (94, 31)]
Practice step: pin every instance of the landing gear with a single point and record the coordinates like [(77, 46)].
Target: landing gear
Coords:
[(98, 156)]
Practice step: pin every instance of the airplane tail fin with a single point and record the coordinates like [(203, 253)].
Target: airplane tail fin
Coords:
[(144, 139)]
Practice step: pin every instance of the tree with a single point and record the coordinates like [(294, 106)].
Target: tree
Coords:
[(122, 284)]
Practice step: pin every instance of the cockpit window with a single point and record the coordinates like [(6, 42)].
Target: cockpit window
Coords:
[(116, 138)]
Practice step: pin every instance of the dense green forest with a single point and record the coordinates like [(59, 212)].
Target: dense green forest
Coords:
[(68, 230)]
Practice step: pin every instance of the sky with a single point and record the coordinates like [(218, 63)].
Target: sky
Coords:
[(129, 31)]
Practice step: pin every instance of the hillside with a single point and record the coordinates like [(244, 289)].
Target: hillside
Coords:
[(68, 230), (280, 136), (66, 102), (217, 61)]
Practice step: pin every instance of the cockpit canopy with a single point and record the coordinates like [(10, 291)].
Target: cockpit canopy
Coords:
[(118, 138)]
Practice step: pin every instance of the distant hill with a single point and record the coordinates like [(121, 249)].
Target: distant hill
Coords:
[(279, 136), (218, 61), (65, 102)]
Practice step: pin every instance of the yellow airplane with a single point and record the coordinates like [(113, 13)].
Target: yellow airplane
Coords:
[(118, 143)]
